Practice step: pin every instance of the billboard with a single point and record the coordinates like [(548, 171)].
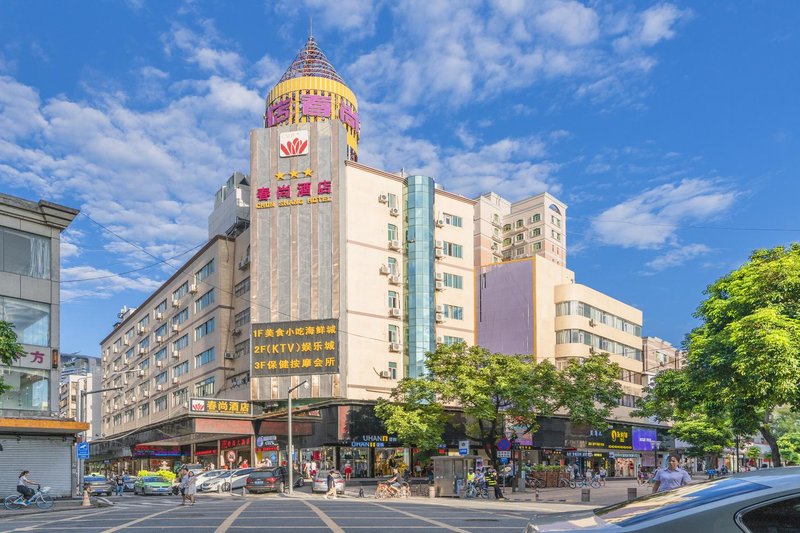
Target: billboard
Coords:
[(219, 407), (295, 348), (644, 439)]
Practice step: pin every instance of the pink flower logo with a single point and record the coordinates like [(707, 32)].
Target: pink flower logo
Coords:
[(294, 147)]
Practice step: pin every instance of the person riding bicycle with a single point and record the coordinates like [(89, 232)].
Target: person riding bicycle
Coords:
[(393, 483), (23, 486)]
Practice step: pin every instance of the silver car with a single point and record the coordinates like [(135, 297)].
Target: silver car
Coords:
[(321, 482), (227, 480), (762, 501)]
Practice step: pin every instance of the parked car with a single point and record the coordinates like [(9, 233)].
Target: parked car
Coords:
[(128, 482), (227, 480), (239, 478), (274, 479), (758, 502), (98, 485), (208, 475), (152, 485), (321, 482)]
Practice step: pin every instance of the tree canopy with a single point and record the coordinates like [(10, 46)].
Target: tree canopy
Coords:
[(10, 349), (743, 361), (494, 391)]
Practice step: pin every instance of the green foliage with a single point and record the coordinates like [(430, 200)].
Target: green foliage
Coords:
[(708, 436), (789, 445), (493, 391), (744, 359), (753, 452), (785, 421), (166, 474), (10, 349)]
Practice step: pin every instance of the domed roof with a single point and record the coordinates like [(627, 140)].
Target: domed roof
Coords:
[(311, 61)]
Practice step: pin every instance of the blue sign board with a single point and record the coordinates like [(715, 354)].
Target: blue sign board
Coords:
[(503, 460), (82, 450), (644, 439)]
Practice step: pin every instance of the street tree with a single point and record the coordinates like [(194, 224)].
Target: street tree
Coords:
[(708, 437), (10, 349), (743, 361), (494, 391)]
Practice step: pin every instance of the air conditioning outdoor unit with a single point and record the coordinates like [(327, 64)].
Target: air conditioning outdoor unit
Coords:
[(193, 288), (440, 308), (229, 355), (140, 329), (105, 359), (439, 340), (395, 347), (105, 394), (159, 388), (384, 270), (438, 244), (439, 253), (159, 338), (125, 402), (439, 276), (394, 280), (394, 212), (145, 393), (175, 381), (440, 223), (384, 374), (394, 245), (236, 332), (382, 198), (243, 262), (140, 351), (176, 354), (115, 349), (439, 317), (126, 342), (175, 327), (440, 285), (395, 312), (175, 302), (159, 364), (159, 316), (592, 323)]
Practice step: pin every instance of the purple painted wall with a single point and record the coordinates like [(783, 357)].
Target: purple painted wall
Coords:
[(505, 307)]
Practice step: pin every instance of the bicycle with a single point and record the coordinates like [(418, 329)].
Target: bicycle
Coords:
[(476, 490), (534, 483), (41, 498), (584, 483), (564, 483), (383, 491)]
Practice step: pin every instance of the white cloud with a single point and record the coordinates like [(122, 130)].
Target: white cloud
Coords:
[(570, 21), (677, 256), (204, 50), (658, 23), (101, 283), (653, 218)]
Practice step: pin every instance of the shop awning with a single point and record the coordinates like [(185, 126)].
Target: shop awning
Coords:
[(42, 425)]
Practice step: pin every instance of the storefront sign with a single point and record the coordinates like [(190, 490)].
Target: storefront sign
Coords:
[(296, 348), (220, 407), (616, 438), (143, 450), (35, 357), (234, 443), (266, 440), (644, 439)]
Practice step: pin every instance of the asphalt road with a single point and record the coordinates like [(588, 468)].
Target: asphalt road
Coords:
[(303, 513)]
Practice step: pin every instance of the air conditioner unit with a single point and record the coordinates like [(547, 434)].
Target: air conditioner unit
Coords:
[(115, 349), (175, 381), (440, 223), (394, 245), (592, 323), (394, 212), (395, 347), (243, 262), (193, 288), (159, 364), (159, 316), (176, 354), (236, 332), (439, 340), (384, 270), (438, 276), (175, 327), (159, 338), (394, 280), (108, 409), (145, 393), (440, 308), (439, 317), (229, 355), (382, 198), (126, 342), (140, 351), (105, 359), (395, 312), (125, 381), (105, 394), (159, 388), (440, 285), (384, 374), (438, 244), (176, 302), (140, 329), (439, 253), (126, 402)]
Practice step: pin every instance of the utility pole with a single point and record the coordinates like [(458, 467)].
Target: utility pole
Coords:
[(290, 451)]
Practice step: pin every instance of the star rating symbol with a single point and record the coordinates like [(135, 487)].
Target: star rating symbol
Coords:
[(280, 175), (293, 174), (307, 172)]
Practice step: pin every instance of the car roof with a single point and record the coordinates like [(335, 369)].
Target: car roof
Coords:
[(783, 477)]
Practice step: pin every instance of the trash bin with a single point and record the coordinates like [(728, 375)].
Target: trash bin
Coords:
[(585, 495)]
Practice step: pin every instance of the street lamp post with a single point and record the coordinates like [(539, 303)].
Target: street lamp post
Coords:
[(303, 384), (737, 453)]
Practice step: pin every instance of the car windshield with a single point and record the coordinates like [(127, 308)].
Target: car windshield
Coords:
[(673, 501), (225, 474), (95, 479), (264, 473), (323, 474), (154, 479)]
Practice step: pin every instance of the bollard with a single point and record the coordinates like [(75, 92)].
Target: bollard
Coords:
[(537, 494), (631, 493), (432, 491), (361, 492), (86, 502), (585, 495)]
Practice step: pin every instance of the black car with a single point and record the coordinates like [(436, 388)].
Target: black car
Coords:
[(272, 479)]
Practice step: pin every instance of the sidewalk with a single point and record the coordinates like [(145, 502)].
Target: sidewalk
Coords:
[(60, 505)]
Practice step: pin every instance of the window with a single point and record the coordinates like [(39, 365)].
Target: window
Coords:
[(143, 323), (129, 334), (181, 291), (453, 220), (128, 415), (204, 329), (180, 397), (144, 365), (182, 342), (204, 301), (143, 388), (535, 232), (181, 317), (519, 223), (453, 311), (783, 515), (242, 288), (391, 231), (161, 331), (204, 357), (144, 344), (241, 349), (536, 218), (204, 272), (144, 410), (507, 227), (507, 254), (161, 354), (496, 218), (117, 419), (453, 281), (24, 253), (30, 389), (394, 300), (555, 220), (453, 250), (128, 354), (537, 246), (507, 241), (181, 369), (160, 308), (392, 262), (392, 203), (519, 237), (394, 333), (393, 370), (520, 251), (161, 378), (159, 404), (204, 388), (448, 340), (242, 318)]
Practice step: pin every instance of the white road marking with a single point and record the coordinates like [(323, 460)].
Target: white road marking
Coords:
[(223, 527), (138, 520), (333, 526), (424, 519)]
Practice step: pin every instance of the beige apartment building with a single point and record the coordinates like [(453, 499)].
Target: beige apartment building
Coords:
[(660, 355)]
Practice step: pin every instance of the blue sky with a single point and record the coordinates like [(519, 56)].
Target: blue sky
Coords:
[(669, 128)]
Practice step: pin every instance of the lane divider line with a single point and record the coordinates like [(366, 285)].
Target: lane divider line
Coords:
[(333, 526), (224, 526)]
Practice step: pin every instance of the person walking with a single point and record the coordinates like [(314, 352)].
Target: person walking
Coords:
[(191, 488), (671, 477), (120, 479), (331, 485), (183, 475)]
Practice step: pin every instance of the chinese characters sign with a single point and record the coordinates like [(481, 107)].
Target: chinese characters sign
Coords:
[(295, 348), (289, 194), (617, 438), (311, 105), (220, 407)]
